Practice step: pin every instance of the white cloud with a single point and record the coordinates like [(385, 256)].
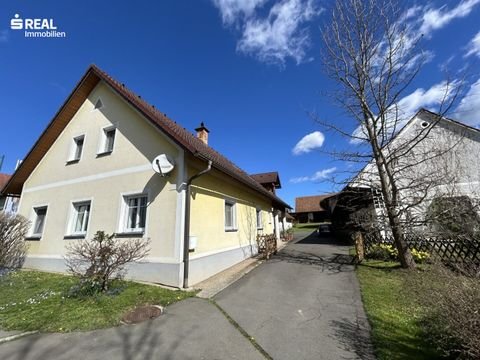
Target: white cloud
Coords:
[(437, 18), (308, 143), (468, 110), (232, 10), (276, 36), (318, 176), (280, 35), (473, 47), (431, 99)]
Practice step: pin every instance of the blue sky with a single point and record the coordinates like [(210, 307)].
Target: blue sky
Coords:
[(249, 69)]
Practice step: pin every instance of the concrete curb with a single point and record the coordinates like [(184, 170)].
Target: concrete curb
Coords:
[(210, 293), (216, 286), (17, 336)]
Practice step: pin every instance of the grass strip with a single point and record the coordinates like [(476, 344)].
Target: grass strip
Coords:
[(392, 312), (33, 300)]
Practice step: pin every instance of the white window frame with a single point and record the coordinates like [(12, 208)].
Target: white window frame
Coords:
[(124, 210), (232, 227), (73, 217), (259, 218), (74, 147), (102, 150), (34, 218)]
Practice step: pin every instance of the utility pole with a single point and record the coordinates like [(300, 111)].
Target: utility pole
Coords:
[(1, 161)]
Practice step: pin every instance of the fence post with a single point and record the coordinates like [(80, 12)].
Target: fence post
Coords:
[(359, 246)]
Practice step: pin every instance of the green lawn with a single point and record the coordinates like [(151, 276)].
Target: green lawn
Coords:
[(31, 300), (307, 226), (394, 316)]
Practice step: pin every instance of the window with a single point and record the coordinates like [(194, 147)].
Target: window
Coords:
[(108, 140), (76, 152), (230, 215), (259, 219), (135, 213), (39, 223), (81, 215)]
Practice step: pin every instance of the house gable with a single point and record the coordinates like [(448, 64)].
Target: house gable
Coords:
[(134, 144), (444, 131)]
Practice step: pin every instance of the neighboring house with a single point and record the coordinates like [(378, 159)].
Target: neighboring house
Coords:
[(444, 164), (8, 204), (269, 181), (91, 169), (308, 209)]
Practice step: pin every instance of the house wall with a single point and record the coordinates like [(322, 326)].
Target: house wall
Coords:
[(312, 217), (218, 248), (103, 180), (445, 163)]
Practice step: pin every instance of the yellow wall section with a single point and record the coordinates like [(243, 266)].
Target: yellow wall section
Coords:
[(136, 145), (208, 208)]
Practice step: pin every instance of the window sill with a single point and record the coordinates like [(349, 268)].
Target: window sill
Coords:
[(33, 237), (127, 234), (104, 153), (74, 236), (259, 228), (231, 230), (73, 161)]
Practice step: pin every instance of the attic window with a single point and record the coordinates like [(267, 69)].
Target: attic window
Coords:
[(425, 124), (76, 150), (98, 104)]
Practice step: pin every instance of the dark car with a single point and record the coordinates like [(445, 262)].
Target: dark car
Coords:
[(324, 229)]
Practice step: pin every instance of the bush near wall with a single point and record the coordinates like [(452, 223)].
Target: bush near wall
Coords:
[(13, 229)]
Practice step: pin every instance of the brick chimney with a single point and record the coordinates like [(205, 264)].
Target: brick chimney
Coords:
[(202, 133)]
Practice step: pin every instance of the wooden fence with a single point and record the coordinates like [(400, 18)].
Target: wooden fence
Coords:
[(267, 245), (458, 250)]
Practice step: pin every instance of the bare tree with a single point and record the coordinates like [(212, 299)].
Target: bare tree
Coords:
[(103, 258), (373, 56)]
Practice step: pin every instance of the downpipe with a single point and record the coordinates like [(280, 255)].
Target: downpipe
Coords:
[(186, 240)]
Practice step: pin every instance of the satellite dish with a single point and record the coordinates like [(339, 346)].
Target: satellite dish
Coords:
[(163, 164)]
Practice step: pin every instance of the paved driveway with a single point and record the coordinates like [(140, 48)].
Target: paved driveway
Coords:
[(190, 329), (303, 304)]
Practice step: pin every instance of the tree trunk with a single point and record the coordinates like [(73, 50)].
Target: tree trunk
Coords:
[(404, 254), (359, 246)]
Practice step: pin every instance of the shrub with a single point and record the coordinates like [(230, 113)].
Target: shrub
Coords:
[(13, 229), (383, 252), (451, 216), (387, 252), (99, 261), (420, 256), (450, 304)]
